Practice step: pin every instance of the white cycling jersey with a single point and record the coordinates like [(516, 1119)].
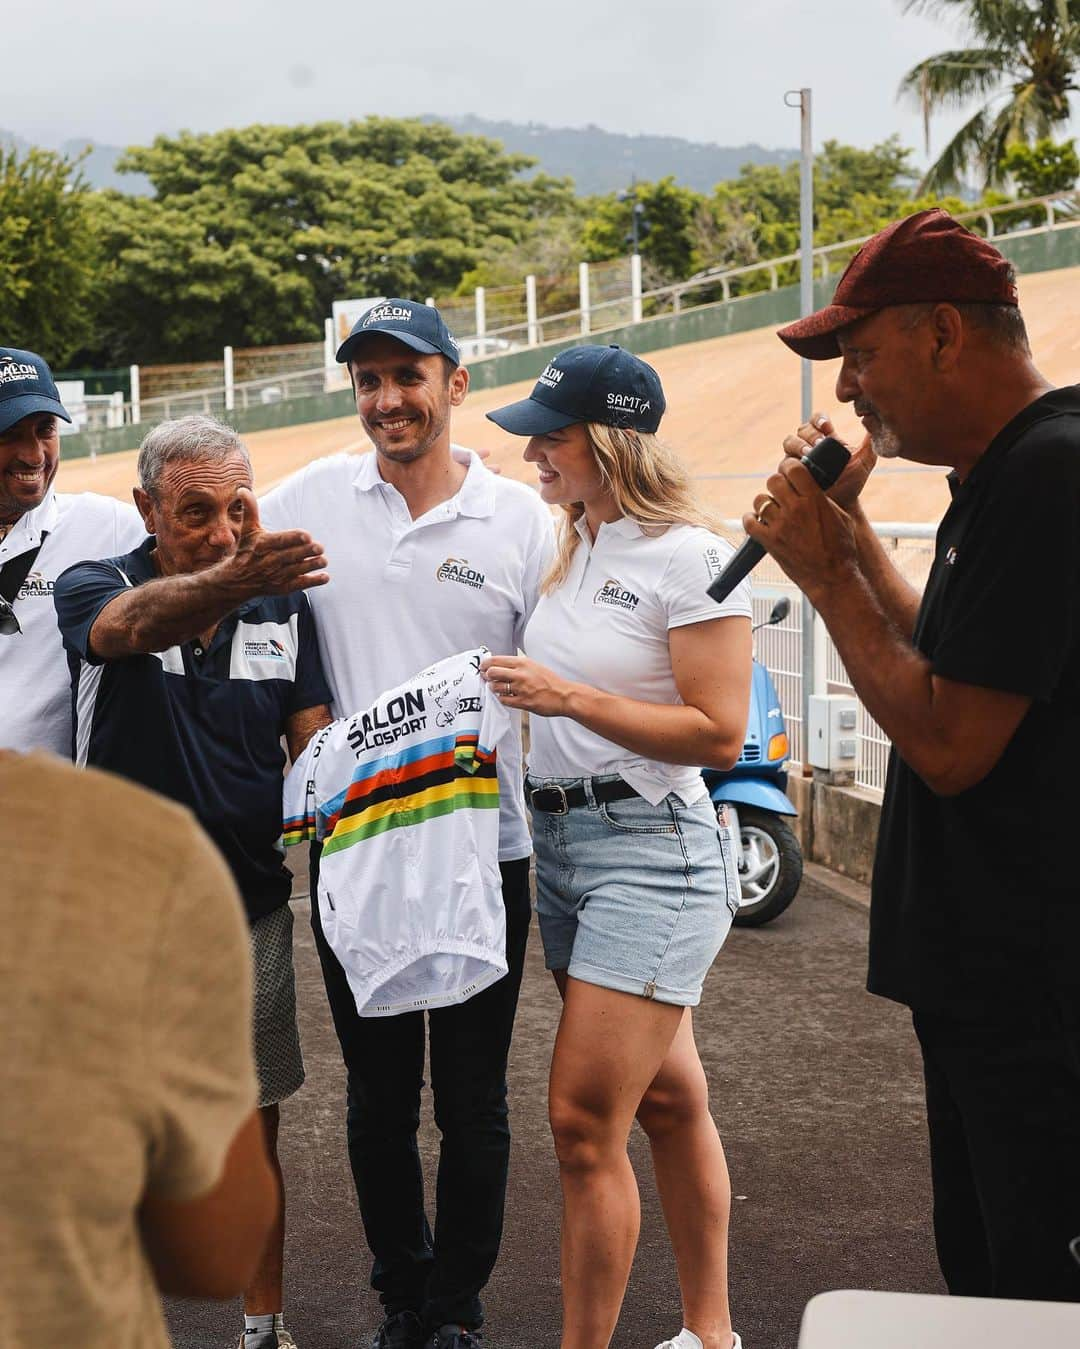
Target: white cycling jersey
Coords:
[(404, 798)]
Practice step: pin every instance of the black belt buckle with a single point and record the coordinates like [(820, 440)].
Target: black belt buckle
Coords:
[(551, 800)]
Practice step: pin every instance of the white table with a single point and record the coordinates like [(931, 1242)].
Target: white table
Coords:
[(852, 1319)]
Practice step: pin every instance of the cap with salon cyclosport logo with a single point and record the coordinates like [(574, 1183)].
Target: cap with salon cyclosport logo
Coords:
[(26, 387), (588, 384), (419, 326)]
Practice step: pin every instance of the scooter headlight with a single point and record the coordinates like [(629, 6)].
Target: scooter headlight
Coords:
[(778, 746)]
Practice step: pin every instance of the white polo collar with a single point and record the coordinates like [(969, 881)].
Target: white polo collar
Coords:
[(624, 527), (475, 496), (32, 524)]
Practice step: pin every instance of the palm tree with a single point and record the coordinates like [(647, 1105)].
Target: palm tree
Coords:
[(1024, 65)]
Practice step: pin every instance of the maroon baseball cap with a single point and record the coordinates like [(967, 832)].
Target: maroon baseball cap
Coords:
[(924, 258)]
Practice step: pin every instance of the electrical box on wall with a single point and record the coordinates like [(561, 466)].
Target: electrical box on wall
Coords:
[(832, 736)]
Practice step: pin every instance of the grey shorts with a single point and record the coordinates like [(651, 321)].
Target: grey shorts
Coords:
[(631, 896), (279, 1064)]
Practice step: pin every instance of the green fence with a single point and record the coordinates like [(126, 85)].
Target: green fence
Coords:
[(1041, 252)]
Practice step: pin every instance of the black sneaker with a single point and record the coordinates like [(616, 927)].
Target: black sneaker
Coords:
[(455, 1337), (404, 1330)]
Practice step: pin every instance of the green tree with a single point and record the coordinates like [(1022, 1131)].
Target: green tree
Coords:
[(47, 254), (252, 233), (1021, 67), (1042, 169), (755, 217), (667, 239)]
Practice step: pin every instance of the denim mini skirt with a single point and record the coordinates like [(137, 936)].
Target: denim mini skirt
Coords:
[(631, 896)]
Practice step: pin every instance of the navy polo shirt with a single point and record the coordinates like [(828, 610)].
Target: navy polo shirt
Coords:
[(976, 908), (202, 727)]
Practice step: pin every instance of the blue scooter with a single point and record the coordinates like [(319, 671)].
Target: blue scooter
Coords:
[(751, 802)]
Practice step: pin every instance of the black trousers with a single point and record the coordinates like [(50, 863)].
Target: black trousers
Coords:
[(1003, 1107), (438, 1277)]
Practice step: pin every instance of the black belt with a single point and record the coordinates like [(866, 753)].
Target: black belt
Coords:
[(559, 800)]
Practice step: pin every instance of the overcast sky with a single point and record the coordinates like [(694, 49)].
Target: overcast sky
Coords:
[(119, 71)]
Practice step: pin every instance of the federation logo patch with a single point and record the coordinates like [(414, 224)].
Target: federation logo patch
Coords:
[(269, 649)]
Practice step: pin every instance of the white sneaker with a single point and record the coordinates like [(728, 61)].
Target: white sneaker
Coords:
[(284, 1340), (681, 1342)]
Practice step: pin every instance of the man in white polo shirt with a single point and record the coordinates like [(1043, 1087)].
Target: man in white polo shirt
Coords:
[(430, 554), (42, 533)]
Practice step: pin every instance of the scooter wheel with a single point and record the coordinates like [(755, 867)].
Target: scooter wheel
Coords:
[(770, 866)]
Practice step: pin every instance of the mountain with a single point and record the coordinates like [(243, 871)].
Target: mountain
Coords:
[(598, 161), (603, 161), (99, 166)]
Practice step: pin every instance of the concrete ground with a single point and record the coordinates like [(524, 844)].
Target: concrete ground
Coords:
[(816, 1089)]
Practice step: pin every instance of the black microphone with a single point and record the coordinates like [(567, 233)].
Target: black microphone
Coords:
[(826, 461)]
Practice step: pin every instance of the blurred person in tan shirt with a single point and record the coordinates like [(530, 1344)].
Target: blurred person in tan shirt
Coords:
[(131, 1157)]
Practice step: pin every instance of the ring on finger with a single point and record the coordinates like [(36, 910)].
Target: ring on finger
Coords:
[(759, 514)]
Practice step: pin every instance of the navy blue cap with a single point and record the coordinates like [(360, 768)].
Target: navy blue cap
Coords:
[(26, 387), (588, 384), (419, 326)]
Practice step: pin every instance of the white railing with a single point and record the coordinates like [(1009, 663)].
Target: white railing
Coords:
[(780, 648), (590, 316)]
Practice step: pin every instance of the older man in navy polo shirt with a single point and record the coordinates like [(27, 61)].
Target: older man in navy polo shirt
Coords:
[(191, 658)]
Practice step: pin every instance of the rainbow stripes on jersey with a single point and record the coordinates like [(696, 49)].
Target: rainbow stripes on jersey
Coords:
[(416, 784)]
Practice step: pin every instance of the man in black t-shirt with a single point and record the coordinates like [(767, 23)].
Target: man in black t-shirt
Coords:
[(975, 917)]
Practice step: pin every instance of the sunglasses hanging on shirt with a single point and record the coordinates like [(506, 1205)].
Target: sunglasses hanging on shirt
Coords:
[(12, 575)]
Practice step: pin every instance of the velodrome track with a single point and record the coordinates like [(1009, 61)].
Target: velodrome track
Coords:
[(731, 400)]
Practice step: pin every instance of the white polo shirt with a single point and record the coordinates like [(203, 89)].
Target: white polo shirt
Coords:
[(607, 626), (406, 593), (35, 686)]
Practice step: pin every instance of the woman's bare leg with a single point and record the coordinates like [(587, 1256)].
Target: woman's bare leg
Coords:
[(692, 1178), (609, 1048)]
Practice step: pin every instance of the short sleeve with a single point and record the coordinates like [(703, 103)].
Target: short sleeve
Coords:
[(494, 722), (298, 794), (537, 566), (696, 562), (199, 1063), (129, 529), (309, 686), (80, 595), (281, 507), (1011, 619)]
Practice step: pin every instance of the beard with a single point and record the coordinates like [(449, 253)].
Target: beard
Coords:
[(883, 439), (886, 443), (408, 454)]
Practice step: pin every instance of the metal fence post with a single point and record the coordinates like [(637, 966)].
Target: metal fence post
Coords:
[(136, 408), (583, 294), (810, 646), (530, 310), (329, 357), (635, 288), (230, 387)]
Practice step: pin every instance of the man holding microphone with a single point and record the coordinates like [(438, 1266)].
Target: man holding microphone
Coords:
[(975, 916)]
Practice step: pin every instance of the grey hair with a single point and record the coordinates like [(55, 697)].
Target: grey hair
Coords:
[(182, 441), (1001, 324)]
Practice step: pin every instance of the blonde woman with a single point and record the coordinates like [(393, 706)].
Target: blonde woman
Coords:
[(634, 679)]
